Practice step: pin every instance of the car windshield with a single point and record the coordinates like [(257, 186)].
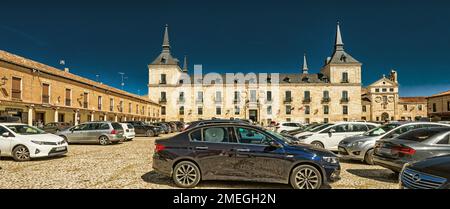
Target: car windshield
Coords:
[(318, 128), (381, 130), (25, 130), (279, 136)]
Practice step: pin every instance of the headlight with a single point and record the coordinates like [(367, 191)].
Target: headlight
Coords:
[(332, 160), (356, 144)]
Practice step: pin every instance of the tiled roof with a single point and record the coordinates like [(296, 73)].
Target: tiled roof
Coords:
[(18, 60), (441, 94), (412, 100)]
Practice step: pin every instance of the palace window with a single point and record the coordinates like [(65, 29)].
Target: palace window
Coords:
[(129, 107), (85, 99), (384, 90), (121, 106), (181, 110), (100, 101), (288, 109), (364, 108), (200, 97), (163, 97), (306, 96), (269, 96), (434, 107), (326, 109), (16, 91), (325, 120), (345, 110), (236, 97), (252, 95), (163, 110), (448, 105), (200, 111), (377, 90), (288, 97), (111, 104), (269, 110), (307, 110), (163, 79), (237, 110), (420, 107), (405, 107), (344, 77), (137, 109), (218, 98), (45, 93), (391, 89), (68, 97), (218, 111)]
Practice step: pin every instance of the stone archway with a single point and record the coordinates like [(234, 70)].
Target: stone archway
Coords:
[(385, 116)]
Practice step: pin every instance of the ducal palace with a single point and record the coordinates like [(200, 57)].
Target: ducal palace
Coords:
[(333, 94)]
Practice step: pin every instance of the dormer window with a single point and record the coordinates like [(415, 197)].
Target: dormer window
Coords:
[(236, 81), (343, 58), (286, 79), (305, 79), (181, 81)]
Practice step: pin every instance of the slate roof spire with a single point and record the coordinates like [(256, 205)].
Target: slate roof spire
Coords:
[(305, 64), (166, 43), (185, 66), (339, 44)]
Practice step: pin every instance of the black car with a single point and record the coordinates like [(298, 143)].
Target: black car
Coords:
[(243, 152), (179, 125), (143, 129), (432, 173), (164, 126), (414, 145)]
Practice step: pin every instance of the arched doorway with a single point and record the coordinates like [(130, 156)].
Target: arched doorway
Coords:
[(385, 116)]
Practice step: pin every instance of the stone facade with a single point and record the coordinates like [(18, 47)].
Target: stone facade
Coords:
[(381, 102), (439, 106), (40, 94), (333, 94)]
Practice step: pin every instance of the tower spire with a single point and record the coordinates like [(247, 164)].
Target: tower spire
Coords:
[(166, 44), (305, 64), (339, 45), (185, 67)]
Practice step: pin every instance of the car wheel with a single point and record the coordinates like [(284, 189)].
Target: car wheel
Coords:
[(21, 153), (306, 177), (103, 140), (368, 158), (149, 133), (318, 144), (186, 174)]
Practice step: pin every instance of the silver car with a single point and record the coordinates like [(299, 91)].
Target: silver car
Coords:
[(360, 147), (103, 133)]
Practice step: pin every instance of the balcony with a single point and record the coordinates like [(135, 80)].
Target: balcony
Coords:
[(306, 100), (287, 100), (162, 101), (344, 100), (68, 102), (326, 100)]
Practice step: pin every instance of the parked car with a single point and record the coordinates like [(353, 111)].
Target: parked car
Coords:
[(143, 129), (179, 125), (283, 127), (431, 173), (411, 146), (234, 151), (360, 147), (194, 124), (128, 131), (103, 133), (55, 127), (10, 119), (304, 129), (328, 136), (23, 142), (165, 127)]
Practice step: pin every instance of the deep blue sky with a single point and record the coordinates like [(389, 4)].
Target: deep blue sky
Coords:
[(107, 37)]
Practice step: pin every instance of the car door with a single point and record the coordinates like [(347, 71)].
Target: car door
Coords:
[(212, 148), (93, 132), (5, 142), (138, 129), (440, 147), (77, 133), (256, 159), (331, 136)]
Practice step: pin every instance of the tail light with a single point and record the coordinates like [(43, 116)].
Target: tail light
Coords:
[(404, 150), (114, 131), (159, 147)]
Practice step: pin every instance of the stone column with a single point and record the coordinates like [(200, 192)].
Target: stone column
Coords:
[(105, 117), (125, 118), (92, 116), (30, 116), (55, 119), (115, 118), (76, 118)]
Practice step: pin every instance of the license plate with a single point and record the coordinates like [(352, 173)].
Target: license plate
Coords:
[(60, 148)]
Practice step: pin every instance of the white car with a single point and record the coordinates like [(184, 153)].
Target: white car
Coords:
[(287, 126), (329, 135), (128, 131), (23, 142)]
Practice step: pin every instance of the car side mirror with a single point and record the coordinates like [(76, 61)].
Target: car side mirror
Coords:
[(6, 134), (330, 132), (275, 144)]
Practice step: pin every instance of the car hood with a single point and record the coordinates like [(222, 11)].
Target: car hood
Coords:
[(311, 148), (304, 134), (438, 166), (42, 137)]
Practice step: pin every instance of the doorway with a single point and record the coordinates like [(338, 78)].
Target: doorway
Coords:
[(253, 115), (385, 116)]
